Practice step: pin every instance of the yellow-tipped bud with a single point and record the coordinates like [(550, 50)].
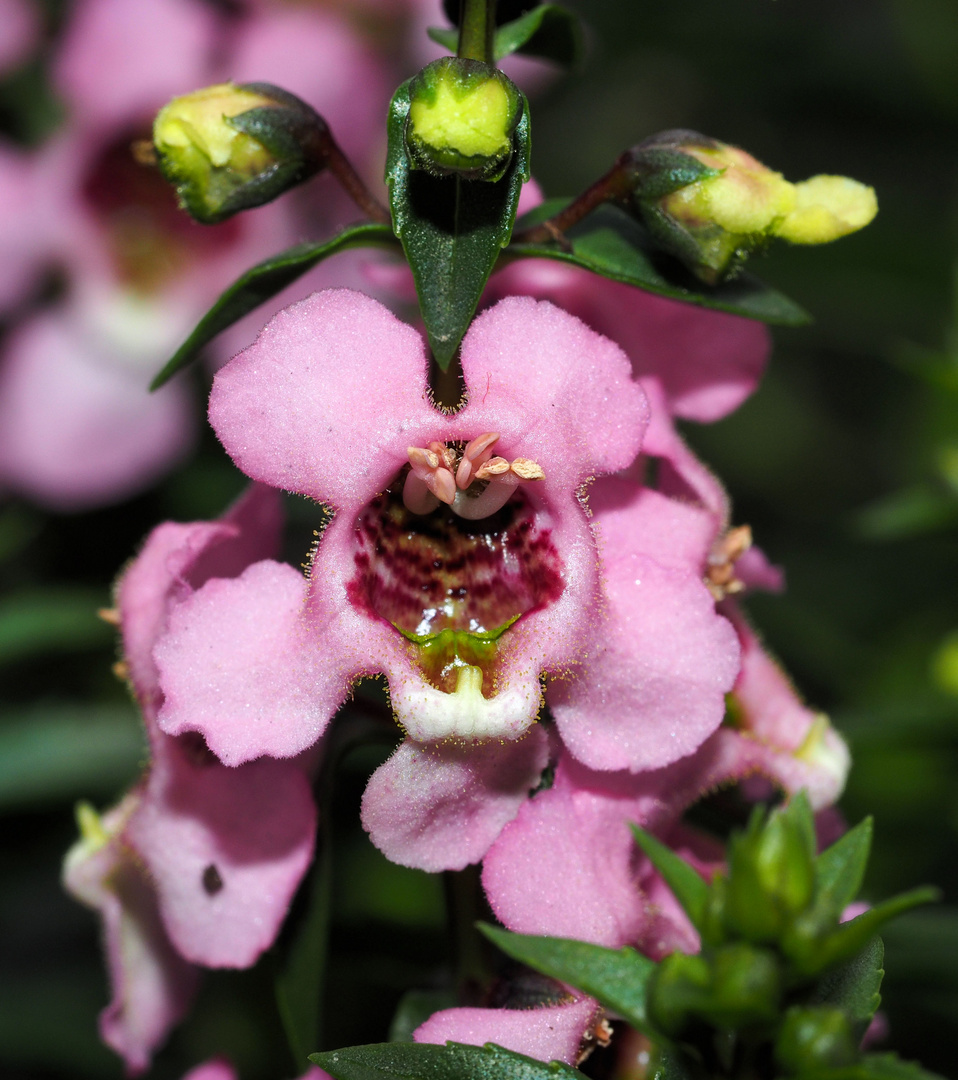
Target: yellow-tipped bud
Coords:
[(462, 118), (712, 205), (229, 148)]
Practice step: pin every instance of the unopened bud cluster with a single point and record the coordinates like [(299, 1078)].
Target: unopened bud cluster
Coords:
[(232, 147)]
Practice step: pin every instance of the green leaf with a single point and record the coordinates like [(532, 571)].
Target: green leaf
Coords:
[(610, 243), (839, 869), (812, 956), (616, 977), (549, 31), (424, 1061), (873, 1067), (262, 282), (54, 619), (61, 752), (690, 890), (452, 230), (854, 987), (670, 1063)]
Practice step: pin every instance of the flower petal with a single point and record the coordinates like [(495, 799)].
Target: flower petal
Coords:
[(235, 665), (226, 849), (327, 399), (558, 392), (549, 1033), (653, 685), (440, 806)]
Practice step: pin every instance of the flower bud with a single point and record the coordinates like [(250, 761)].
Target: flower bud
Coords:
[(462, 118), (228, 148), (712, 205), (771, 877), (814, 1038)]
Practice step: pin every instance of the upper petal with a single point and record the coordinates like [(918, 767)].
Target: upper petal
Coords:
[(558, 392), (326, 400)]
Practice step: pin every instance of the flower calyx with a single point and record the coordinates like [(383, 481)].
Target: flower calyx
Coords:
[(473, 482)]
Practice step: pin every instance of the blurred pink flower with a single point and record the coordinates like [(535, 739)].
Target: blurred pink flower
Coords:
[(77, 426), (206, 858), (331, 402)]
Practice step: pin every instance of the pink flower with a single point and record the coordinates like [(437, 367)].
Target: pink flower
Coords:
[(464, 594), (213, 855), (77, 426)]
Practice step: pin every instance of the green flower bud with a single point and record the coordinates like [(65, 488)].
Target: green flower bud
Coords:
[(712, 205), (771, 876), (746, 987), (462, 118), (228, 148), (678, 989), (815, 1037)]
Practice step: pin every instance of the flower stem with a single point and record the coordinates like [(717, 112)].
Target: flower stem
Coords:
[(611, 187), (342, 168), (477, 25)]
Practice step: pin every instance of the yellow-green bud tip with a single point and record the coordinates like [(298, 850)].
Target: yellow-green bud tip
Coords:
[(826, 208), (462, 116), (199, 122)]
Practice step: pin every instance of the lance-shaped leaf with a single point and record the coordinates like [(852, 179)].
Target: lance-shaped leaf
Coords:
[(451, 229), (811, 954), (262, 282), (839, 869), (425, 1061), (854, 987), (610, 243), (689, 888), (549, 31), (617, 978)]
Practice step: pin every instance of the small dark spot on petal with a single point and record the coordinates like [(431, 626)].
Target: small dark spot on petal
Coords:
[(212, 882)]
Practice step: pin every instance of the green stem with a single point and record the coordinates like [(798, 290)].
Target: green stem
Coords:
[(477, 25)]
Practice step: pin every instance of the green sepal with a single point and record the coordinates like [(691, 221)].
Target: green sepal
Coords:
[(689, 888), (610, 243), (262, 282), (549, 31), (451, 229), (811, 953), (616, 978), (660, 170), (854, 986), (671, 1063), (454, 1061)]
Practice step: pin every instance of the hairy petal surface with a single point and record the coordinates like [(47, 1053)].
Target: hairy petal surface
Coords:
[(440, 806), (550, 1032), (310, 406), (652, 686)]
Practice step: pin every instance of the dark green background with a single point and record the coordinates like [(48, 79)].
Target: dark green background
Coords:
[(845, 463)]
